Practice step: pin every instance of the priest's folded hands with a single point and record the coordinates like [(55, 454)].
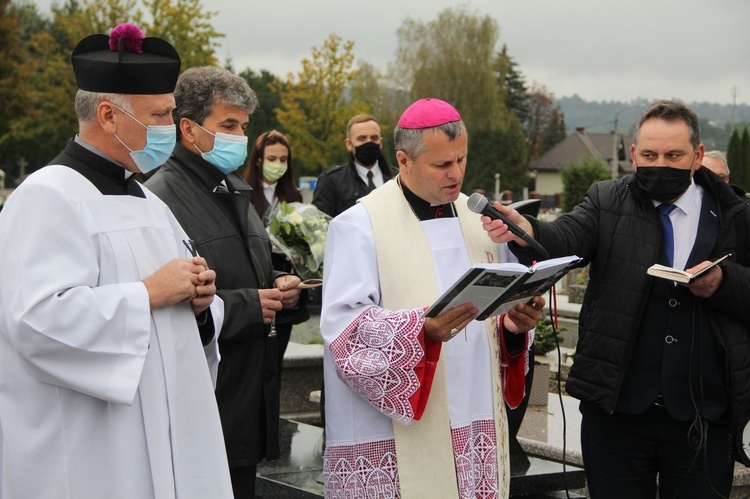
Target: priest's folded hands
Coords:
[(182, 279)]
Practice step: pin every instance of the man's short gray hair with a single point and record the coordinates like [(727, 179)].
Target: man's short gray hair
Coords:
[(199, 89), (721, 156), (87, 103), (409, 140)]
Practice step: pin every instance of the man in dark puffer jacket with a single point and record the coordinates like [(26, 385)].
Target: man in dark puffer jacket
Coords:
[(662, 371)]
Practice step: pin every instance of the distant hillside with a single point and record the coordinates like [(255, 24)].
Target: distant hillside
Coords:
[(600, 116)]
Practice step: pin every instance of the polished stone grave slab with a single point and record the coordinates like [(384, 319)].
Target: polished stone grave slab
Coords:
[(298, 473)]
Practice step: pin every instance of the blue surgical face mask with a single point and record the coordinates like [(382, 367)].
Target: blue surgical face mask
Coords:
[(229, 151), (160, 141)]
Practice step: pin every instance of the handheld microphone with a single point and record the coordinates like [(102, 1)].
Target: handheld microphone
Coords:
[(479, 204)]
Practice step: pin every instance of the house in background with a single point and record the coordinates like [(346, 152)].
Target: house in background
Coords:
[(547, 169)]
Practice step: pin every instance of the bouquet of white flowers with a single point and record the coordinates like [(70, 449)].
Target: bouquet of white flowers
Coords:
[(299, 230)]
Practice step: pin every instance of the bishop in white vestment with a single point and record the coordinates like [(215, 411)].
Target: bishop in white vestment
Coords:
[(409, 415)]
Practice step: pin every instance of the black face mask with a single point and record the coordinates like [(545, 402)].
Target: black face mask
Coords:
[(367, 154), (662, 183)]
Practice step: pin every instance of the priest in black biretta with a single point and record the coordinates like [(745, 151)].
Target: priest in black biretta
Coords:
[(114, 74), (109, 349), (126, 63)]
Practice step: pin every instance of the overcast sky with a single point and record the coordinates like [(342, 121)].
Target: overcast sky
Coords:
[(693, 50)]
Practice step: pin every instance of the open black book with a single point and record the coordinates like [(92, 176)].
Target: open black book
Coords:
[(495, 288)]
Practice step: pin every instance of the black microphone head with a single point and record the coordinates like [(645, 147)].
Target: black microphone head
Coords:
[(477, 202)]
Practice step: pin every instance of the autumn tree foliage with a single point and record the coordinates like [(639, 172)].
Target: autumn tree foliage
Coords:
[(186, 24), (454, 58), (449, 58), (40, 117), (544, 125), (316, 104)]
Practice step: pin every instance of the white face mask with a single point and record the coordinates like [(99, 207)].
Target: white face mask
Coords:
[(229, 151), (160, 142), (274, 171)]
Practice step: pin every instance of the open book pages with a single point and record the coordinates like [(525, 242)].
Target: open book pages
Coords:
[(681, 276), (495, 288)]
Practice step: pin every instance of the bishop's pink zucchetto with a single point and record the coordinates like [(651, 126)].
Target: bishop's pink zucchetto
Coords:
[(428, 113)]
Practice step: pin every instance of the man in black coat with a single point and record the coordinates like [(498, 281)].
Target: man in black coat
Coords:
[(662, 370), (212, 203), (339, 188)]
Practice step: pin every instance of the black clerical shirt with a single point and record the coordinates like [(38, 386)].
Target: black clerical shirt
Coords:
[(424, 210)]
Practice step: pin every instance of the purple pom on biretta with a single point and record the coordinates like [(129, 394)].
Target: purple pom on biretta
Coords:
[(132, 37)]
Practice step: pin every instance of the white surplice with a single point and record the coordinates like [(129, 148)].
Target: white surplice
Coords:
[(100, 397), (360, 448)]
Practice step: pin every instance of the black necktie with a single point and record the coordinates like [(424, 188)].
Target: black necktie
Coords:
[(370, 183)]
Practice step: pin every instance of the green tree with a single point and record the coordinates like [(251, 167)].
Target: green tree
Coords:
[(13, 96), (734, 159), (745, 159), (496, 151), (183, 23), (263, 119), (47, 121), (578, 177), (454, 58), (317, 104), (187, 26), (555, 132), (513, 85), (37, 132), (79, 18), (448, 58)]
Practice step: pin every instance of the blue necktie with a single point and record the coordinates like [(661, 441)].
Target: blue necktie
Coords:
[(664, 211)]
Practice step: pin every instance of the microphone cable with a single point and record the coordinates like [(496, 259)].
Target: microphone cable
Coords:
[(554, 325), (697, 436)]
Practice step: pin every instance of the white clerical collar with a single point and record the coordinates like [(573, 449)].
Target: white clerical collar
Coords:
[(81, 142)]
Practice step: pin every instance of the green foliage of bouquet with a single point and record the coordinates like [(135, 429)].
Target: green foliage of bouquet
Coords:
[(299, 230)]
